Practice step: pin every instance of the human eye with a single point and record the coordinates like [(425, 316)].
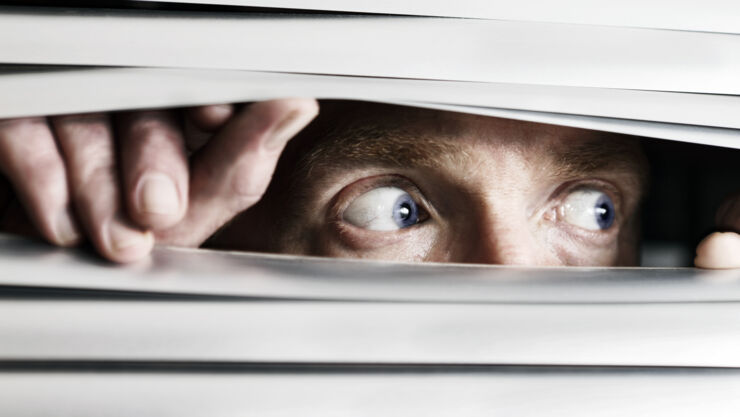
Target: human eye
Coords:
[(384, 216), (589, 209), (384, 208)]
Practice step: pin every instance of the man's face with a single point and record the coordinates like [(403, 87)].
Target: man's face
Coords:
[(402, 184)]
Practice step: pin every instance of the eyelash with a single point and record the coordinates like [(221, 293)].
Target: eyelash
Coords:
[(563, 191), (351, 191)]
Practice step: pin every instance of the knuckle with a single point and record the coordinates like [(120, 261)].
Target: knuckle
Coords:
[(94, 129), (21, 123), (44, 183), (93, 163), (250, 180), (277, 109), (93, 187), (24, 141), (247, 193), (94, 213), (204, 116), (44, 166), (94, 151), (83, 127), (151, 132), (80, 118)]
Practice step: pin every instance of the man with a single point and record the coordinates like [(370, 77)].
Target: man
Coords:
[(364, 180)]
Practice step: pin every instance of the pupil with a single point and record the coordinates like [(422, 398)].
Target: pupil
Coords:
[(603, 211), (404, 211)]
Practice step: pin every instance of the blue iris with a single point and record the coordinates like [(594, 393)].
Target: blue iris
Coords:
[(604, 211), (405, 211)]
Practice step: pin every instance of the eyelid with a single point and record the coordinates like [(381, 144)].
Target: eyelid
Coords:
[(351, 191), (559, 196), (356, 238)]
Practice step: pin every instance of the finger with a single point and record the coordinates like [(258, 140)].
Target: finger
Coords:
[(719, 251), (29, 157), (210, 118), (154, 168), (728, 214), (234, 169), (201, 122), (87, 144)]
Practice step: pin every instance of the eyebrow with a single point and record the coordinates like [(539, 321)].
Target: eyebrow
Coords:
[(320, 151), (607, 152), (371, 144)]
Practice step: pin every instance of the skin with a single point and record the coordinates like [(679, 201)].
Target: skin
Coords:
[(721, 250), (491, 190), (123, 181), (447, 161)]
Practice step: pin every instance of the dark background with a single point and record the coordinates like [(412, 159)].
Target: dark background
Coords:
[(688, 183)]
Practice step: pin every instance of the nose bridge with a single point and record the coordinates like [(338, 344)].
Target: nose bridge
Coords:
[(506, 246), (507, 238)]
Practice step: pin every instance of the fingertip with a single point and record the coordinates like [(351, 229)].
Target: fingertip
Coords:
[(66, 232), (719, 250), (125, 244), (211, 117), (275, 110), (233, 170), (286, 117), (307, 105), (308, 108), (312, 105)]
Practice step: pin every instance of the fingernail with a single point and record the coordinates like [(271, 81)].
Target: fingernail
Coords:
[(157, 194), (123, 238), (66, 231), (286, 129)]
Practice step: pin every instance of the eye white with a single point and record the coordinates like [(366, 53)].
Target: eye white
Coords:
[(588, 209), (374, 209)]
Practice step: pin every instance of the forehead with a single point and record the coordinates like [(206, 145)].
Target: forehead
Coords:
[(352, 134), (347, 117)]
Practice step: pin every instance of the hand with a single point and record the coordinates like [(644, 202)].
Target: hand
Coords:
[(126, 180), (721, 250)]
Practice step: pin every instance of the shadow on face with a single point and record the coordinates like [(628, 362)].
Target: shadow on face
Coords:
[(394, 183)]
